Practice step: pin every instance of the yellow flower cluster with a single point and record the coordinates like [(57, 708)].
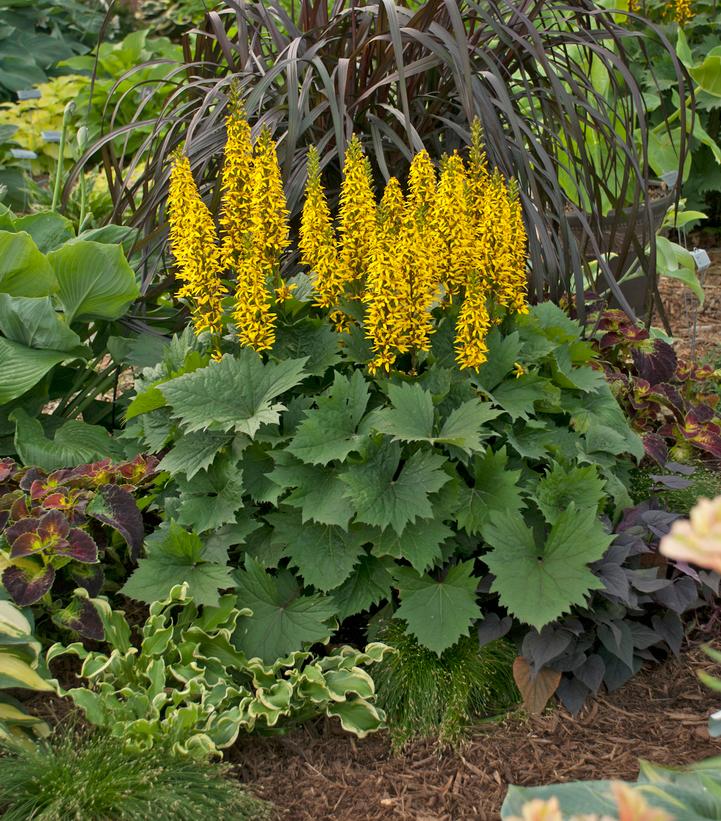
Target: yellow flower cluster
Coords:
[(253, 219), (194, 242), (682, 11), (457, 235)]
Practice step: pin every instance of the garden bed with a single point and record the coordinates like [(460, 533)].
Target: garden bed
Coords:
[(317, 776)]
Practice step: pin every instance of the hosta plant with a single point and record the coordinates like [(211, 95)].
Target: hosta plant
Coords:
[(190, 683), (671, 402), (22, 666), (60, 529)]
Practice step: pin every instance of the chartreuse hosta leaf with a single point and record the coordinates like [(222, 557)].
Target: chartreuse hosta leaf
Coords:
[(235, 393), (329, 431), (383, 496), (437, 612), (537, 582), (495, 488), (177, 557), (282, 620), (412, 419)]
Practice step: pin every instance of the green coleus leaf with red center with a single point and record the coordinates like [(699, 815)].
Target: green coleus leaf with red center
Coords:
[(50, 535)]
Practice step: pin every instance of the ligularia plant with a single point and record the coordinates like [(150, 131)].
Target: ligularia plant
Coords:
[(453, 243)]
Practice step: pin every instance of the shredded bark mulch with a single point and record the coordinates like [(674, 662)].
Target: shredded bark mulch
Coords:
[(318, 775)]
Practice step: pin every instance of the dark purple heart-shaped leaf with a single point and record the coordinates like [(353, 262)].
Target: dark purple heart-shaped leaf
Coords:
[(27, 581), (91, 577), (21, 527), (25, 545), (52, 526), (655, 448), (116, 507), (80, 547), (82, 617), (658, 364)]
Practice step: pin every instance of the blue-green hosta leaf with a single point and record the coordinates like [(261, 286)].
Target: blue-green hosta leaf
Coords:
[(495, 489), (23, 368), (212, 498), (559, 487), (24, 271), (330, 431), (193, 452), (420, 543), (381, 498), (95, 280), (75, 443), (283, 621), (369, 584), (178, 557), (438, 613), (539, 582), (235, 393), (33, 321), (48, 229), (325, 555)]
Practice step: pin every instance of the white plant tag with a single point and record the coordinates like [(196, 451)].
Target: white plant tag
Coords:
[(23, 154), (701, 258), (28, 94), (50, 136)]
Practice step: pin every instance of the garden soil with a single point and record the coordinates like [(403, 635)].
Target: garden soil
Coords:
[(317, 774)]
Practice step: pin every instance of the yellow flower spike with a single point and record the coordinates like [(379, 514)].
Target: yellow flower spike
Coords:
[(478, 173), (194, 244), (518, 280), (356, 218), (234, 217), (472, 326), (451, 220), (269, 209), (392, 207), (253, 316), (682, 12), (422, 184), (284, 292), (317, 242)]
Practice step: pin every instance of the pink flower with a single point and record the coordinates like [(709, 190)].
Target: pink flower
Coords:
[(698, 539)]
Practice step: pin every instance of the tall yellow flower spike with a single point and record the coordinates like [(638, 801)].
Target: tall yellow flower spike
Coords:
[(258, 274), (234, 217), (517, 279), (356, 217), (421, 184), (317, 242), (472, 326), (682, 12), (386, 294), (451, 219), (194, 244)]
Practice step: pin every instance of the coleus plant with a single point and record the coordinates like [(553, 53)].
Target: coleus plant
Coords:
[(671, 402), (321, 492), (61, 525)]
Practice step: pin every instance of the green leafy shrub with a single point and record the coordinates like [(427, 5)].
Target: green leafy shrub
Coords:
[(81, 774), (191, 684), (427, 696), (21, 666), (63, 528)]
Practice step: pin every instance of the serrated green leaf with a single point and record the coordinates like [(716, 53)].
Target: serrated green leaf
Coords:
[(568, 375), (369, 584), (410, 419), (193, 452), (438, 613), (464, 427), (537, 583), (177, 557), (518, 397), (420, 543), (381, 498), (283, 621), (495, 489), (212, 498), (257, 465), (325, 555), (316, 341), (503, 353), (559, 488), (319, 493), (234, 393), (328, 432)]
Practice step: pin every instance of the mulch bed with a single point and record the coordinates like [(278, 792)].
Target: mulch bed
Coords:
[(318, 775)]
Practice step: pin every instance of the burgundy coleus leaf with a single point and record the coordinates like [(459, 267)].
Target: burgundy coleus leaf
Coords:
[(116, 507), (79, 546), (657, 364), (138, 469), (655, 447), (27, 581), (20, 509), (47, 533), (7, 468), (609, 340), (93, 474), (670, 395), (699, 415), (81, 617), (31, 475), (91, 577)]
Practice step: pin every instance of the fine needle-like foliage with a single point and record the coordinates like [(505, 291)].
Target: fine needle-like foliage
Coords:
[(429, 696), (78, 775)]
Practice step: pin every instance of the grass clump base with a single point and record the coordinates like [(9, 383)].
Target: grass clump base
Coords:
[(78, 774), (436, 697)]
